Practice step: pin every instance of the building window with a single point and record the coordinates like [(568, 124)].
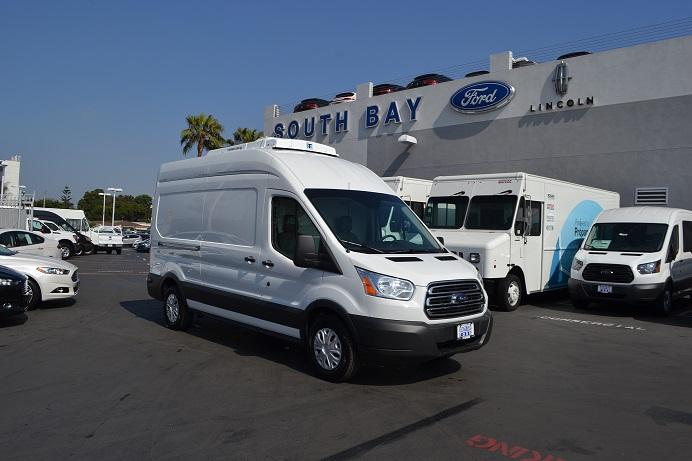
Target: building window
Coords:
[(651, 196)]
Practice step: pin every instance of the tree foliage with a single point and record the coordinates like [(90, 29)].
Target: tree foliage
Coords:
[(127, 207), (66, 197), (204, 132), (243, 135), (49, 203)]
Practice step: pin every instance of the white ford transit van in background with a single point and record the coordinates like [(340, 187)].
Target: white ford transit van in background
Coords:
[(636, 255), (519, 229), (283, 236), (413, 191)]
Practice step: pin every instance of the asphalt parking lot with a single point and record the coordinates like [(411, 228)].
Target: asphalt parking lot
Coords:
[(101, 378)]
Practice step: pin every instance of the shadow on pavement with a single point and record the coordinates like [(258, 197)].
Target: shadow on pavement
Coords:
[(681, 315), (7, 321), (248, 342)]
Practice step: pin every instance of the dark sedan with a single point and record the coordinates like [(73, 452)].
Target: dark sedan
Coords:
[(14, 292), (311, 103), (143, 246)]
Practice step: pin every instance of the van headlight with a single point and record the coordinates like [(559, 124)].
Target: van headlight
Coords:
[(53, 270), (649, 268), (474, 258), (577, 264), (385, 286)]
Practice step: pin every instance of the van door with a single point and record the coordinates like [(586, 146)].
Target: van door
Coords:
[(677, 261), (283, 285), (229, 255), (531, 244), (683, 267)]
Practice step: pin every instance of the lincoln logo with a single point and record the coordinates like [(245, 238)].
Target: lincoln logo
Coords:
[(458, 298)]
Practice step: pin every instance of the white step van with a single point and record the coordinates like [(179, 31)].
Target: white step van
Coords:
[(283, 236), (636, 255), (413, 191), (520, 230)]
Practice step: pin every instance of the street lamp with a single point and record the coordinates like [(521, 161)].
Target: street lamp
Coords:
[(20, 207), (115, 190), (103, 218)]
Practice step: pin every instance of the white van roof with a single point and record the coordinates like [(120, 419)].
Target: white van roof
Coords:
[(646, 214), (310, 165)]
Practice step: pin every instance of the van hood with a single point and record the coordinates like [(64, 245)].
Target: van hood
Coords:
[(471, 240), (421, 269), (618, 257)]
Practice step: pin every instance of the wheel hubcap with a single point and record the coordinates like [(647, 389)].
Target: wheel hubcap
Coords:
[(327, 347), (172, 308), (513, 293), (30, 292), (65, 252)]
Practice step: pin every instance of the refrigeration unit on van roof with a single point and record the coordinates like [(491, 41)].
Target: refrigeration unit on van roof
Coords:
[(280, 143)]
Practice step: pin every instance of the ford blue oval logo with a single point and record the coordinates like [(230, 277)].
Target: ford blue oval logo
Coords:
[(482, 96)]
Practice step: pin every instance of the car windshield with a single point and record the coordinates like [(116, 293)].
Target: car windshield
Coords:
[(626, 237), (369, 222), (66, 227), (446, 212), (4, 251), (51, 226), (491, 212)]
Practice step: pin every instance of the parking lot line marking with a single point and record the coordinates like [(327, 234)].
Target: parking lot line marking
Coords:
[(591, 322), (400, 433)]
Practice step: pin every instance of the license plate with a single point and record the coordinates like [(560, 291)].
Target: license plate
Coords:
[(605, 289), (465, 331)]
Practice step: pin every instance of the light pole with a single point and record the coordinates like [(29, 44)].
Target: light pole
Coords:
[(115, 190), (103, 219), (20, 208)]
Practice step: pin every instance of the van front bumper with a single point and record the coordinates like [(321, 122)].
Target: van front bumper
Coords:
[(383, 340), (632, 293)]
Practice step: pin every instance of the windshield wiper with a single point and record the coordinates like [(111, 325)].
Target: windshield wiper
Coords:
[(360, 245)]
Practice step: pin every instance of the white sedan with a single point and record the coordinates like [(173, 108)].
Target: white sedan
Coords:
[(49, 278), (29, 243)]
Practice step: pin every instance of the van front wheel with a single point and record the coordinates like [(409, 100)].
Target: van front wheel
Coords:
[(510, 293), (664, 303), (331, 349)]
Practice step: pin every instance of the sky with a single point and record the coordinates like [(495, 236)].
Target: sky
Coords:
[(95, 93)]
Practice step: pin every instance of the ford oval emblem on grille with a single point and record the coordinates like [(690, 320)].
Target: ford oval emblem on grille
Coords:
[(607, 272), (457, 298)]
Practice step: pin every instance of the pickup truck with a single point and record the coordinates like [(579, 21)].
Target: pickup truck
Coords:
[(105, 238)]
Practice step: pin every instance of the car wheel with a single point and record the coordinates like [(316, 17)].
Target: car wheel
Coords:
[(175, 311), (510, 293), (79, 251), (34, 295), (66, 251), (664, 303), (119, 251), (580, 303), (331, 349)]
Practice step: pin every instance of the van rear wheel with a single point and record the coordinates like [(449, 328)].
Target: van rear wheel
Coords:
[(510, 293), (175, 311), (331, 349)]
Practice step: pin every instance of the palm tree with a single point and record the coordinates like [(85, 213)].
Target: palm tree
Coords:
[(204, 131), (243, 135)]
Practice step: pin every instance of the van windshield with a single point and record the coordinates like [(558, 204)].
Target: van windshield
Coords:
[(368, 222), (627, 237), (491, 212), (446, 212)]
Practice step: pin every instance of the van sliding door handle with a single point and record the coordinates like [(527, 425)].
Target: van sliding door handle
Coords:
[(268, 263), (249, 259)]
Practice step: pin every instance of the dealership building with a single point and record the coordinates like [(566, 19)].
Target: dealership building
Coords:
[(619, 119)]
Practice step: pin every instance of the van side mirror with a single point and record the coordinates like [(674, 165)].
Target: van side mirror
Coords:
[(441, 240), (519, 227), (306, 252)]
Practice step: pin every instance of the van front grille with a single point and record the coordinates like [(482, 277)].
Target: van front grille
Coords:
[(615, 273), (454, 299)]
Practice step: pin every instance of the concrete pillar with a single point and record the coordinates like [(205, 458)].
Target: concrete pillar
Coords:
[(501, 61)]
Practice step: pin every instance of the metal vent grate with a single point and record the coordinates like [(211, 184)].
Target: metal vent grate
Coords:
[(651, 196)]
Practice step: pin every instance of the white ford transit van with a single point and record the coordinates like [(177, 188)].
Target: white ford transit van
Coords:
[(638, 255), (283, 236)]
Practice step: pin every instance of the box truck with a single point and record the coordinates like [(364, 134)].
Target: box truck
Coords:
[(520, 230), (413, 191)]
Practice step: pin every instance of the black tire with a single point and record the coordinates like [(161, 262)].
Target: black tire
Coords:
[(79, 250), (109, 251), (67, 250), (35, 296), (580, 303), (181, 319), (93, 251), (326, 330), (119, 251), (507, 300), (664, 304)]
